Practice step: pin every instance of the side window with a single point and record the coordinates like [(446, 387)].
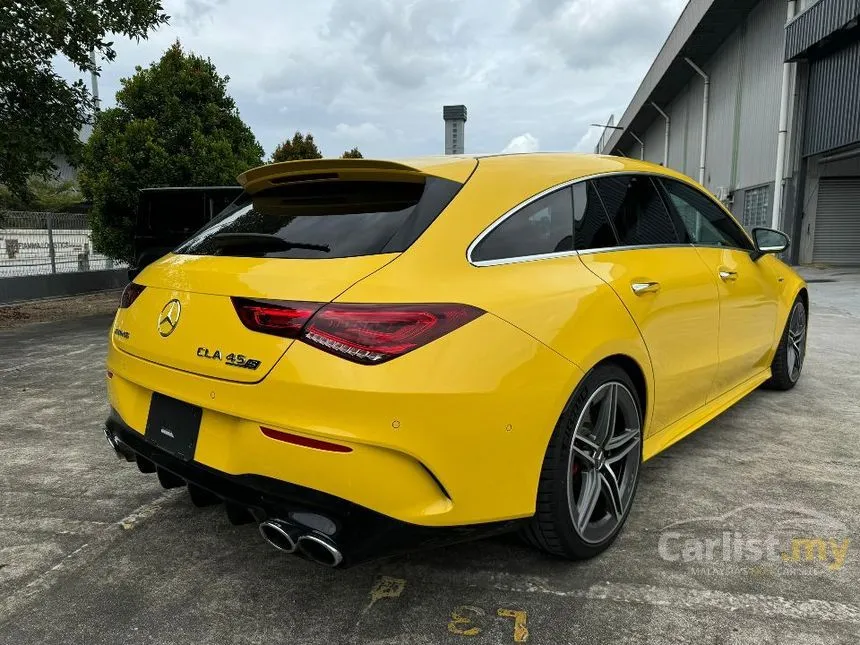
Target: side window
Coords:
[(637, 211), (592, 229), (706, 223), (544, 226)]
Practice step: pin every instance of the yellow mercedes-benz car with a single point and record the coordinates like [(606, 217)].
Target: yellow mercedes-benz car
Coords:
[(365, 357)]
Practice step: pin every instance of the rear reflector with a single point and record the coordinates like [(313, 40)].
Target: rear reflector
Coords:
[(130, 294), (306, 442), (368, 334)]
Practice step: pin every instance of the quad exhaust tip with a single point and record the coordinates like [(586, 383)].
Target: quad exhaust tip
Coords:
[(320, 550), (122, 451), (289, 538), (281, 534)]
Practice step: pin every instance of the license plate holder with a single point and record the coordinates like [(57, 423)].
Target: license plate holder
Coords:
[(173, 426)]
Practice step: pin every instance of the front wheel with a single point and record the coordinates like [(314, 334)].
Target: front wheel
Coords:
[(791, 352), (591, 468)]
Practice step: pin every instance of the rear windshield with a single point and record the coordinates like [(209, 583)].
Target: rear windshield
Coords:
[(325, 219)]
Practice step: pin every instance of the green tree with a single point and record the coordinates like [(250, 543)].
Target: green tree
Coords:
[(299, 147), (173, 125), (43, 196), (40, 112), (355, 153)]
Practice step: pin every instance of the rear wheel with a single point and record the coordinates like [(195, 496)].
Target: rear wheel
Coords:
[(788, 361), (591, 468)]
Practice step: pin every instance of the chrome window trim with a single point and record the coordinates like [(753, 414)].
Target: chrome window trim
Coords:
[(561, 254), (524, 258), (635, 247)]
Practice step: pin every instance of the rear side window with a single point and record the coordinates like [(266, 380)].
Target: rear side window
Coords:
[(592, 229), (544, 226), (327, 218), (637, 211), (706, 223)]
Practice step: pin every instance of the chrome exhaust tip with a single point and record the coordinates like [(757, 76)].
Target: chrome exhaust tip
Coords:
[(281, 535), (111, 440), (121, 450), (319, 549)]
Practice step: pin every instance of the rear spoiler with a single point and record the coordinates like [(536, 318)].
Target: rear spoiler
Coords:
[(285, 172)]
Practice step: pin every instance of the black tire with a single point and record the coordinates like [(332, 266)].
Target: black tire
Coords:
[(552, 528), (785, 372)]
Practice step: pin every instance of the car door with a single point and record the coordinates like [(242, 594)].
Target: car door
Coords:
[(748, 289), (663, 283)]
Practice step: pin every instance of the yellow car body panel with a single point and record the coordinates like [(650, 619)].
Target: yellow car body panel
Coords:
[(475, 418), (453, 433)]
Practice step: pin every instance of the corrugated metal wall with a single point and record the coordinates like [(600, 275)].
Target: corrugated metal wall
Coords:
[(679, 114), (746, 79), (654, 140), (762, 84), (819, 22), (726, 74), (694, 126), (833, 117)]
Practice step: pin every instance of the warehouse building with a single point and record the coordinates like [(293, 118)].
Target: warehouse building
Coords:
[(760, 101)]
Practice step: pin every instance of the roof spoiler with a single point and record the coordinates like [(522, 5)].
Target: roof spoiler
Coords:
[(286, 172)]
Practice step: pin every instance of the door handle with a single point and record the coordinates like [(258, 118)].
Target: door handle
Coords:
[(728, 276), (640, 288)]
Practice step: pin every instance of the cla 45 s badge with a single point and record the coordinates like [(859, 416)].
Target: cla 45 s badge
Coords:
[(233, 360)]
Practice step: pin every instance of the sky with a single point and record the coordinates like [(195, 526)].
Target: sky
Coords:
[(375, 74)]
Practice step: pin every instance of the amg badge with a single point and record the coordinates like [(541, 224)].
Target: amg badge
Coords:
[(233, 360)]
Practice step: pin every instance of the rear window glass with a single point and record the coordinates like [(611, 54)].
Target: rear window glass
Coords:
[(326, 219)]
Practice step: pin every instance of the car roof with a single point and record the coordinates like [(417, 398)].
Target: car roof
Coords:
[(570, 164)]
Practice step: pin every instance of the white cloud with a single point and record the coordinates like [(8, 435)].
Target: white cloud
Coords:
[(522, 143), (361, 133), (376, 73), (588, 140)]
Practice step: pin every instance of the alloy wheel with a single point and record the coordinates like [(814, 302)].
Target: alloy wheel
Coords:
[(604, 462), (796, 346)]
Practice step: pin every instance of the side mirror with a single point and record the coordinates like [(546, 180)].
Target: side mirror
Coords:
[(768, 240)]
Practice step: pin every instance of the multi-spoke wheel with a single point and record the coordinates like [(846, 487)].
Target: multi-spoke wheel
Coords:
[(604, 462), (791, 352), (591, 468)]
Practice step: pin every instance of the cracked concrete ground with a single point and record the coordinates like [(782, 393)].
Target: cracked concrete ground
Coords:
[(92, 551)]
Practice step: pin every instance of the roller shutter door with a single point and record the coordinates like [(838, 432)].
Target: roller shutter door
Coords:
[(837, 222)]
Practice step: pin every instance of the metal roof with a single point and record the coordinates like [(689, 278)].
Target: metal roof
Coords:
[(701, 30)]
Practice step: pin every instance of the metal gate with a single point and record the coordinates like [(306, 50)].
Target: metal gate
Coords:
[(837, 222)]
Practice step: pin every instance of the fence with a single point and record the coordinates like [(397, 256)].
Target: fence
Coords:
[(47, 243)]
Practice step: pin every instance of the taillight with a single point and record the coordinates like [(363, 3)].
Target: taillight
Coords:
[(368, 334), (278, 318), (130, 294), (376, 333)]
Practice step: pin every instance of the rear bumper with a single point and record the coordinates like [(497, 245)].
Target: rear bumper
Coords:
[(360, 533), (453, 434)]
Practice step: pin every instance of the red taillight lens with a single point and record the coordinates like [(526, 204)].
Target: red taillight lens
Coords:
[(130, 294), (373, 334), (284, 319), (369, 334)]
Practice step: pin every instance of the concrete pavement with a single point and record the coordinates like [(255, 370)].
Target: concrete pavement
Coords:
[(92, 551)]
